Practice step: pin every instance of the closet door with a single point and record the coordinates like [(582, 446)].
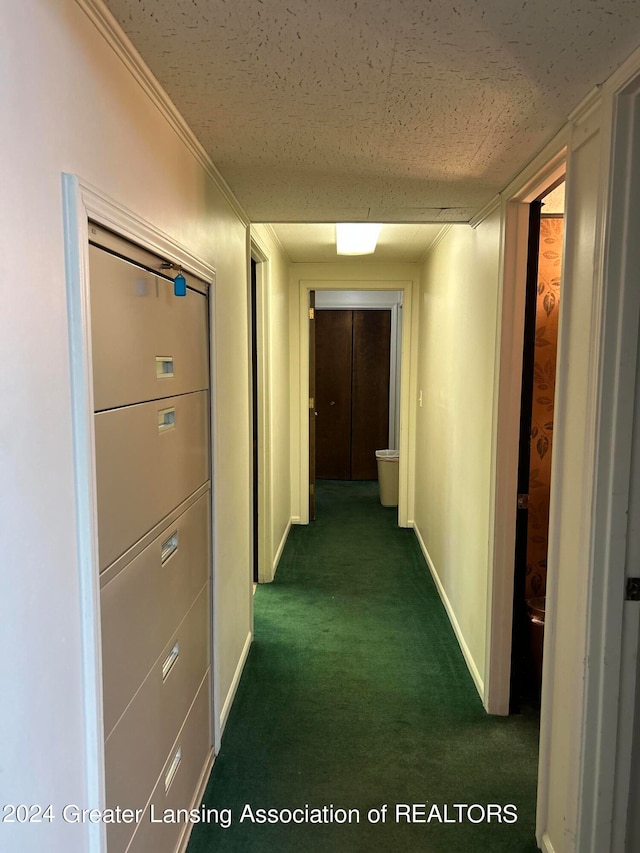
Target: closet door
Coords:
[(333, 394), (370, 391), (352, 391)]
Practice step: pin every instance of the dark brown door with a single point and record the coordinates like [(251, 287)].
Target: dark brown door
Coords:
[(370, 391), (334, 344), (352, 392)]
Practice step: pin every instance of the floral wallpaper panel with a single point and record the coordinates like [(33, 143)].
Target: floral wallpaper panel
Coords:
[(547, 310)]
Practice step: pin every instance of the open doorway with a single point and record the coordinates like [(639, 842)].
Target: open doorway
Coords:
[(542, 306), (259, 414), (254, 416)]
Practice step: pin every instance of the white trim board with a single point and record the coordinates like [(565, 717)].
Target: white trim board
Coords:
[(609, 740), (272, 233), (76, 245), (200, 789), (362, 300), (485, 212), (260, 253), (506, 425), (108, 212), (81, 203), (215, 455), (442, 233), (228, 702), (466, 652), (357, 299), (301, 417), (545, 844), (281, 546)]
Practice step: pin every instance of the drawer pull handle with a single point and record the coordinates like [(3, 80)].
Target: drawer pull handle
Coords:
[(173, 769), (170, 661), (169, 547), (164, 366), (166, 419)]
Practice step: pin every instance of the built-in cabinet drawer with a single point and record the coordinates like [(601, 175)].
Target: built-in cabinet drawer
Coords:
[(138, 746), (178, 782), (149, 458), (150, 353), (147, 343), (142, 606)]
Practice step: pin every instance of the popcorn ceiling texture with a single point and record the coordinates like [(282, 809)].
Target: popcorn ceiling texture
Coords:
[(389, 110)]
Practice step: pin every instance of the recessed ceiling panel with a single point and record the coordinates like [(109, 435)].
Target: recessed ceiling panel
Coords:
[(316, 242)]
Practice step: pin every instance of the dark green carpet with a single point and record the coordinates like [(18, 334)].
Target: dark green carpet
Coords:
[(355, 694)]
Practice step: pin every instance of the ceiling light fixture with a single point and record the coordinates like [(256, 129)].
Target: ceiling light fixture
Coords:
[(357, 238)]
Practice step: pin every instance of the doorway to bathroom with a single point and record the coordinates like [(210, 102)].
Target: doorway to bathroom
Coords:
[(542, 306)]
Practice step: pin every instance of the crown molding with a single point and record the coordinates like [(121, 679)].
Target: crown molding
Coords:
[(266, 242), (485, 212), (271, 232), (124, 49), (587, 105), (442, 233), (546, 166), (624, 75), (586, 119)]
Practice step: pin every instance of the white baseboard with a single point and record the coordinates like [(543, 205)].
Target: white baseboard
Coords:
[(547, 846), (283, 542), (296, 519), (228, 702), (197, 799), (471, 664)]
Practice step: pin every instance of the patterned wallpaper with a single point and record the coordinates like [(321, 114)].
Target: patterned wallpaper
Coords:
[(549, 274)]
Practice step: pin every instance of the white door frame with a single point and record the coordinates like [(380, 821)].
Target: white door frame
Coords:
[(82, 202), (597, 799), (373, 299), (613, 626), (406, 443), (506, 427), (260, 253)]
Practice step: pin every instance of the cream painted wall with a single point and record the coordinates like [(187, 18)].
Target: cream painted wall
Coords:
[(456, 355), (70, 105), (276, 399), (351, 274)]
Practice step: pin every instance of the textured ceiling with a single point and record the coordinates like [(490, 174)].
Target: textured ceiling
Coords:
[(389, 110)]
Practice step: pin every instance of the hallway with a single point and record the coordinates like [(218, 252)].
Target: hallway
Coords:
[(355, 694)]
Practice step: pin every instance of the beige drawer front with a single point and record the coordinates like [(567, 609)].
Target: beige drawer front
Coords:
[(147, 343), (149, 458), (137, 748), (195, 746), (143, 605)]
